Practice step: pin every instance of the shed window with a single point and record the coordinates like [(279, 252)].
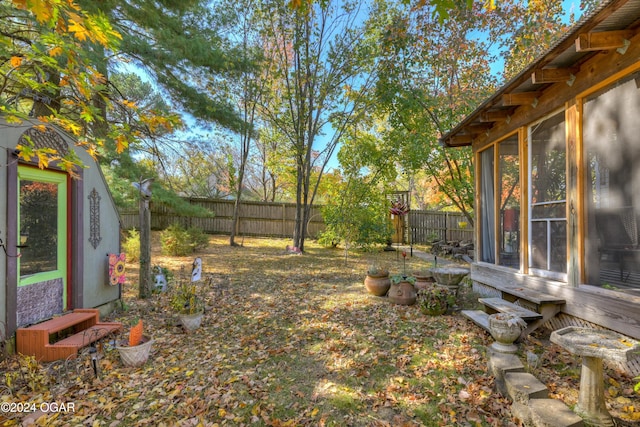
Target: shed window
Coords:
[(42, 225)]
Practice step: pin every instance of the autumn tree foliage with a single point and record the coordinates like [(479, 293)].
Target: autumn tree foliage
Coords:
[(47, 73), (319, 62)]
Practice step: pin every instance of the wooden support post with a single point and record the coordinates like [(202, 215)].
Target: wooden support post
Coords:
[(144, 285)]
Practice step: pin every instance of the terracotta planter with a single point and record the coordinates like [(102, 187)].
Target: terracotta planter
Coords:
[(424, 280), (402, 293), (505, 331), (191, 322), (377, 284), (136, 355)]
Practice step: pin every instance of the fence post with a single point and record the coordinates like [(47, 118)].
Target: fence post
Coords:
[(446, 227), (284, 219)]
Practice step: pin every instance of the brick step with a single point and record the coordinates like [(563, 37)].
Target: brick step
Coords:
[(503, 306)]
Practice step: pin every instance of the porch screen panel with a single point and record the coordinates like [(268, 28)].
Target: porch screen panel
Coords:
[(509, 208), (548, 223), (611, 138), (487, 207)]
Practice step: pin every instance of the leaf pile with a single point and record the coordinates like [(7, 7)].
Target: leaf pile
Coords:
[(287, 340)]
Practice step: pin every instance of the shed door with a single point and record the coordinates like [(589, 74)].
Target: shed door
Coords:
[(42, 225)]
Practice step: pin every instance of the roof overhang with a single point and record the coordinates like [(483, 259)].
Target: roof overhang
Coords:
[(610, 26)]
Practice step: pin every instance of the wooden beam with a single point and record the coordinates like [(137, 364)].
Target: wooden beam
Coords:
[(459, 140), (553, 75), (605, 40), (476, 128), (522, 98), (494, 116)]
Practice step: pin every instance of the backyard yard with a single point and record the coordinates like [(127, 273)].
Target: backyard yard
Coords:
[(292, 340)]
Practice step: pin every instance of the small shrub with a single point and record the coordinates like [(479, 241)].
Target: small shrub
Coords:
[(178, 241), (131, 245)]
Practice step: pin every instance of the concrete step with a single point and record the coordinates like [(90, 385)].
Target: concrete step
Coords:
[(553, 413), (502, 306), (522, 387)]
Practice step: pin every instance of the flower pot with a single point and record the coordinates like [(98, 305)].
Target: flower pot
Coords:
[(377, 284), (505, 330), (402, 293), (136, 355), (434, 300), (423, 280), (191, 322)]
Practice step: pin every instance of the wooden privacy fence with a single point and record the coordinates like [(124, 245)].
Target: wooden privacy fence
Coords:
[(277, 220), (429, 226), (255, 218)]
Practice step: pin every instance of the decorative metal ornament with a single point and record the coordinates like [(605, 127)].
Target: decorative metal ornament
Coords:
[(94, 218)]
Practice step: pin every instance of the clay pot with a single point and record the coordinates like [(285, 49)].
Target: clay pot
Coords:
[(377, 284), (402, 293), (423, 280)]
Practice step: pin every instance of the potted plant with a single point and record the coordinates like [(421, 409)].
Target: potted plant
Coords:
[(402, 290), (134, 351), (424, 278), (377, 280), (188, 304), (505, 328), (435, 300)]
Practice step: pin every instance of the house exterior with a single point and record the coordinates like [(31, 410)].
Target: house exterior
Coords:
[(56, 232), (557, 174)]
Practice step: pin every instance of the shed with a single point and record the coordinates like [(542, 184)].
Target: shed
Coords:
[(557, 174), (56, 231)]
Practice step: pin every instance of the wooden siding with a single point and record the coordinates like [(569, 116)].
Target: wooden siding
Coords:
[(618, 311)]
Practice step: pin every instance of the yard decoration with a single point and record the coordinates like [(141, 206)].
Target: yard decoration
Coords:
[(377, 280), (402, 291), (117, 269), (135, 350), (505, 328), (187, 303)]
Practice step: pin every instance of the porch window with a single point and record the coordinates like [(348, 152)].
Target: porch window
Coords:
[(611, 131), (509, 191), (487, 207), (548, 222)]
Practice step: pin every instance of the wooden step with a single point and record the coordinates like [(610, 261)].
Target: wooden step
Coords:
[(83, 324), (86, 337), (531, 295), (502, 306), (479, 317)]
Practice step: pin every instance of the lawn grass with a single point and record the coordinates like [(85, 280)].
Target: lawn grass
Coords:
[(287, 340)]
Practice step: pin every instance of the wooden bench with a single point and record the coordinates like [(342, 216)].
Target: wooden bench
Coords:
[(535, 308), (81, 328)]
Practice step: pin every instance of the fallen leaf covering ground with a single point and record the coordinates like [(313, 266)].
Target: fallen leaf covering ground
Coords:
[(291, 340)]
